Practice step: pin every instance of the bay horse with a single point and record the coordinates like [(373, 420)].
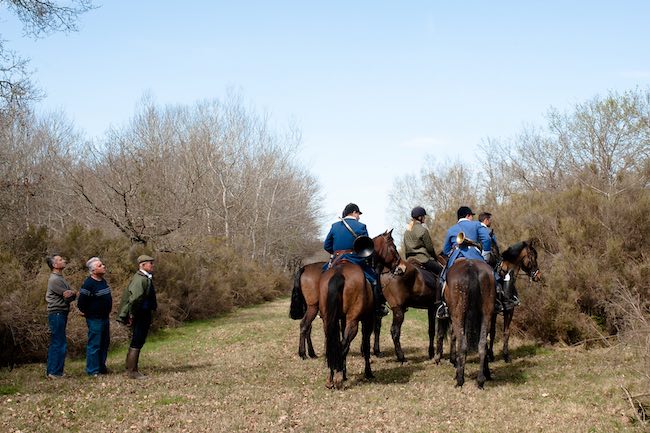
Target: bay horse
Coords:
[(470, 295), (409, 289), (304, 304), (345, 299), (520, 256)]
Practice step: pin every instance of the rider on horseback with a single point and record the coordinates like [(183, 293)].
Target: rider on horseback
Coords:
[(505, 288), (478, 241), (418, 244), (339, 243)]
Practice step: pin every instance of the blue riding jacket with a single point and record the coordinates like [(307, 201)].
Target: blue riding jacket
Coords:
[(339, 238), (473, 230)]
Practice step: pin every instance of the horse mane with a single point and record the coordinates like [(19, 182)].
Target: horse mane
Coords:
[(513, 251)]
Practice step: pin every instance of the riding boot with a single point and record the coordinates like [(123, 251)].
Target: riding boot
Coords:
[(380, 302), (510, 299), (132, 358)]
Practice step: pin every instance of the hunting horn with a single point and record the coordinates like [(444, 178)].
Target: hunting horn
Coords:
[(363, 246)]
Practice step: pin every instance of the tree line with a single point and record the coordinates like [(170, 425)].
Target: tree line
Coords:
[(580, 185)]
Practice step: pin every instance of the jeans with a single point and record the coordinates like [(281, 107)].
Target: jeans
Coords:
[(58, 345), (141, 324), (97, 349)]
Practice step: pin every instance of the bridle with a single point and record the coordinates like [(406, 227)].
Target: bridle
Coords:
[(394, 266)]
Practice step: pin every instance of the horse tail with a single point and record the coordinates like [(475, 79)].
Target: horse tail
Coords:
[(334, 348), (474, 315), (298, 306)]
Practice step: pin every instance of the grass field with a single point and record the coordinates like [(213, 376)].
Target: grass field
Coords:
[(242, 373)]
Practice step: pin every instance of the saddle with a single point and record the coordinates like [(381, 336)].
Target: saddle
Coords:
[(430, 279)]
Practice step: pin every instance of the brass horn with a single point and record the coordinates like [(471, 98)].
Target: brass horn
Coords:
[(461, 239), (363, 246)]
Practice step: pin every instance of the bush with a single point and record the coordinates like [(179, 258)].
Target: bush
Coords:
[(203, 283)]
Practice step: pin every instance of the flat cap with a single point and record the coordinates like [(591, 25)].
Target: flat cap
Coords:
[(144, 258)]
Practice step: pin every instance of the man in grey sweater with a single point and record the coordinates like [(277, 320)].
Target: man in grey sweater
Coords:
[(59, 295)]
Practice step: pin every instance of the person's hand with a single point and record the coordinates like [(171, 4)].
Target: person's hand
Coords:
[(68, 294)]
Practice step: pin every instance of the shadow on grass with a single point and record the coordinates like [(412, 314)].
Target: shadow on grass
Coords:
[(179, 368)]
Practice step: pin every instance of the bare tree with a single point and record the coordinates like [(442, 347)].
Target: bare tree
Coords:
[(39, 18)]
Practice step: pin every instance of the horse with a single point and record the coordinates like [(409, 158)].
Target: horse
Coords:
[(409, 289), (521, 255), (346, 299), (470, 295), (304, 304)]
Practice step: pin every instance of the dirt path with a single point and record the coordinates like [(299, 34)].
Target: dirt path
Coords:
[(242, 373)]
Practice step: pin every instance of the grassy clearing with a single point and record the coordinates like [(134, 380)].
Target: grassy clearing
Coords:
[(242, 373)]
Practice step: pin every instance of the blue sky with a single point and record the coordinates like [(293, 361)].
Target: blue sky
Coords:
[(374, 86)]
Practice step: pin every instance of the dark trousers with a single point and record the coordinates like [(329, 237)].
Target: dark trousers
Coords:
[(141, 325), (58, 343), (99, 336)]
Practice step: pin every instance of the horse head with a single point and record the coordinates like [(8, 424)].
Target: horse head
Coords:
[(387, 254), (529, 260), (524, 255)]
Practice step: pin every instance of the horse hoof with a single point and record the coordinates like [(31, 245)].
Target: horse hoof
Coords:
[(338, 380), (379, 354), (302, 356), (312, 355), (506, 359)]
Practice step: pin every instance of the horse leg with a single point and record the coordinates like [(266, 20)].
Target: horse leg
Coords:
[(507, 319), (305, 332), (442, 326), (483, 369), (453, 348), (493, 331), (349, 334), (396, 331), (366, 329), (377, 330), (432, 331), (461, 348)]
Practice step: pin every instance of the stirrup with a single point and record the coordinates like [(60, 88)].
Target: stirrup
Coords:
[(442, 312), (515, 301), (381, 310)]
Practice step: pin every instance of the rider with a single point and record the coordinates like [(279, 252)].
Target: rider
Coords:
[(418, 244), (339, 242), (504, 285), (475, 233)]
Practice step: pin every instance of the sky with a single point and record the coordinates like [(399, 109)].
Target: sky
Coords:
[(374, 86)]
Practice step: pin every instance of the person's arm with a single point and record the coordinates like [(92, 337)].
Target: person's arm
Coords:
[(136, 293), (428, 243), (328, 245), (84, 297), (484, 238), (363, 231), (60, 287)]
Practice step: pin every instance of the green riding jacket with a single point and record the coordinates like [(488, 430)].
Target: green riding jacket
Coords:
[(138, 290)]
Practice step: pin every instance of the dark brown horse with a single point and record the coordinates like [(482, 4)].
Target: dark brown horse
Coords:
[(406, 289), (346, 297), (520, 256), (470, 295), (304, 304)]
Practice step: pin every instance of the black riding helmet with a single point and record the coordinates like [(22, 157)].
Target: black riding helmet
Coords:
[(351, 207), (418, 211)]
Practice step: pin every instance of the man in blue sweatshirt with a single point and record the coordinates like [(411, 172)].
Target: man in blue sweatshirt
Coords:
[(95, 302)]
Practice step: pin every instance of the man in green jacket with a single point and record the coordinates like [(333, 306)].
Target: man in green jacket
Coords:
[(418, 244), (138, 304)]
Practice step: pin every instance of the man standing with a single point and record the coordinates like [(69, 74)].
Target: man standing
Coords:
[(418, 244), (95, 302), (58, 298), (136, 309)]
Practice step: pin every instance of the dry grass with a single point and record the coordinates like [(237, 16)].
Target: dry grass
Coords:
[(242, 373)]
